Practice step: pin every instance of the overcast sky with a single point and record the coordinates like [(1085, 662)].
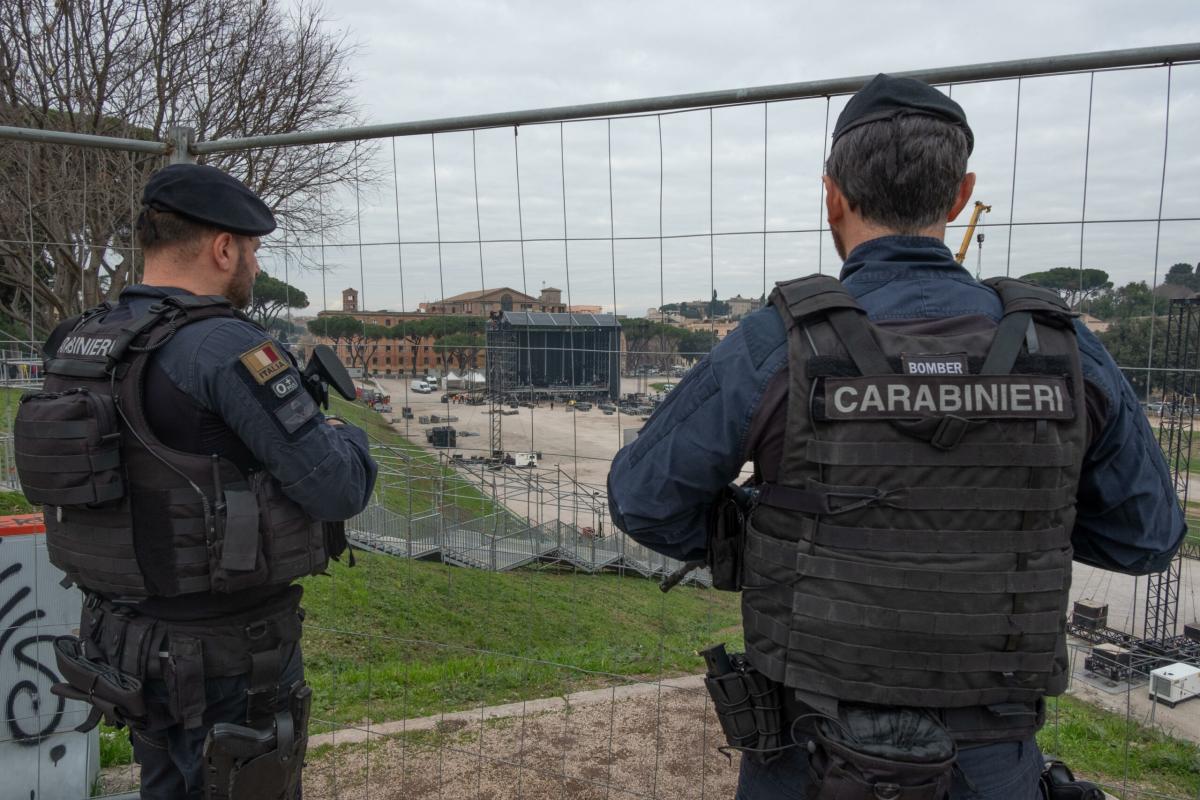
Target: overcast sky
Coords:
[(422, 59)]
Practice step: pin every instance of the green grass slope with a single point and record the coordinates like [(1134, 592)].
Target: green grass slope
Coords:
[(393, 638)]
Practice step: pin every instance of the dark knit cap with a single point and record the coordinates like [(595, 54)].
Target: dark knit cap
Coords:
[(886, 97), (208, 195)]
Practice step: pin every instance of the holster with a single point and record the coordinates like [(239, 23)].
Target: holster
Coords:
[(875, 753), (114, 695), (748, 706), (1058, 783), (259, 763)]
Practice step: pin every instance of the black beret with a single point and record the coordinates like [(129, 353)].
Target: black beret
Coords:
[(886, 97), (208, 195)]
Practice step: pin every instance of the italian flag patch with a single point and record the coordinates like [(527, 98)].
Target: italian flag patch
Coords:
[(264, 362)]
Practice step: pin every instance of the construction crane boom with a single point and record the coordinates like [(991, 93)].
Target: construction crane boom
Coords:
[(980, 208)]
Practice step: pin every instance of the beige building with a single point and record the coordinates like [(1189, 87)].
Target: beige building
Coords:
[(720, 327), (741, 306), (482, 303)]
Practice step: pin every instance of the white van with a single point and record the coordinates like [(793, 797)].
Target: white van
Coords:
[(421, 387)]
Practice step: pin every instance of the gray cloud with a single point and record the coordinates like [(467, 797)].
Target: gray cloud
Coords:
[(427, 60)]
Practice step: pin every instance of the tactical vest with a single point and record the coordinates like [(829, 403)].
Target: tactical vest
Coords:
[(916, 547), (127, 516)]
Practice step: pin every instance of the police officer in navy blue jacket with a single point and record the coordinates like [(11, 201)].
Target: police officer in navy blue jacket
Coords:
[(895, 176), (213, 636)]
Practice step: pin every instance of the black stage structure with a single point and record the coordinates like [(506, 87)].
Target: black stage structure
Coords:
[(534, 354), (1162, 642)]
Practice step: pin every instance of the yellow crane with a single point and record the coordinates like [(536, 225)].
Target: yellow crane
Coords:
[(980, 208)]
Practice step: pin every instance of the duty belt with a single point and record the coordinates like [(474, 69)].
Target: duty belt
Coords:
[(125, 649)]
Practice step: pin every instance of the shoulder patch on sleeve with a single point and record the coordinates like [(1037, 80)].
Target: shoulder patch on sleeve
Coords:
[(295, 412), (264, 362), (284, 386)]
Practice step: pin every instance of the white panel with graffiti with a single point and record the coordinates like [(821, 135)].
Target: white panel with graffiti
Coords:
[(41, 757)]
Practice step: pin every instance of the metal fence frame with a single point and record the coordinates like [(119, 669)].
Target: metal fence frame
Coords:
[(380, 529)]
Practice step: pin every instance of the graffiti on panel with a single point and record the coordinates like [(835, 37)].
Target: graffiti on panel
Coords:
[(23, 700)]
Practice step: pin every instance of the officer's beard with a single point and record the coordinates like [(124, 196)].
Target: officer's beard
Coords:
[(838, 244), (241, 285)]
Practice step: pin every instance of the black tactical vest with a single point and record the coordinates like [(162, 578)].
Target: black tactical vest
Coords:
[(127, 516), (916, 548)]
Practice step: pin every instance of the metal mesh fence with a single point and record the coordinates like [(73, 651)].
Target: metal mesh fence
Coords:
[(498, 637)]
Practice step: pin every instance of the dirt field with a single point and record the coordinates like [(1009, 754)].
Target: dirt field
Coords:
[(585, 747)]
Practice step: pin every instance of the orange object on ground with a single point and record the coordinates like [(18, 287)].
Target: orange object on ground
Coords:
[(21, 524)]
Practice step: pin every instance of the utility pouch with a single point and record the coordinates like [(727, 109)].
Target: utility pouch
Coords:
[(876, 753), (726, 541), (114, 695), (68, 448), (294, 542), (748, 705), (236, 558), (244, 763), (185, 679)]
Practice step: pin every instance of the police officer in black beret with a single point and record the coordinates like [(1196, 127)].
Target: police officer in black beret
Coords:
[(208, 475), (929, 454)]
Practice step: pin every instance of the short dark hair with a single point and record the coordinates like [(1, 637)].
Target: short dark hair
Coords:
[(157, 230), (903, 174)]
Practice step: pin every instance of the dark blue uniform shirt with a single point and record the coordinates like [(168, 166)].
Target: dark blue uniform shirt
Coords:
[(326, 469), (711, 424)]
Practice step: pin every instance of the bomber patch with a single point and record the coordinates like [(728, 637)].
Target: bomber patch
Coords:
[(284, 386), (264, 362), (967, 396), (934, 364)]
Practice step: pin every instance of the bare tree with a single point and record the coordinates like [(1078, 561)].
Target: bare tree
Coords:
[(133, 68)]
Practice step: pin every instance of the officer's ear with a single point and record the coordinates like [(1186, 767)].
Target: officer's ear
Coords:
[(224, 251), (836, 205), (965, 190)]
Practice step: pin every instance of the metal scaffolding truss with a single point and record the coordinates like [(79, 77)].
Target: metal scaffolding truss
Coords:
[(1179, 385)]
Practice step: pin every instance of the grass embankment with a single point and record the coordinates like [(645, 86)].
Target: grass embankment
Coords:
[(418, 479), (392, 639), (1109, 749), (11, 502)]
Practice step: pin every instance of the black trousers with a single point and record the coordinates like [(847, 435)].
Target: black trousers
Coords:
[(172, 758)]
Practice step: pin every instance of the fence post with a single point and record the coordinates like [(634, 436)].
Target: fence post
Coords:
[(181, 137)]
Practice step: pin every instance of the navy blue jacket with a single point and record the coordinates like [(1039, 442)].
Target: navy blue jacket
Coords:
[(327, 470), (716, 419)]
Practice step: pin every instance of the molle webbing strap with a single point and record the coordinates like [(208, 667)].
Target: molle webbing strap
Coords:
[(776, 552), (928, 623), (966, 498), (82, 495), (903, 454), (923, 661), (82, 462), (822, 500), (78, 369), (190, 302), (65, 429), (904, 541), (822, 682), (929, 580), (1006, 346), (815, 294), (854, 330)]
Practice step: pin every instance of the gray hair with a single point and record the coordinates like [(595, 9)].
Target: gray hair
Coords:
[(903, 174)]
